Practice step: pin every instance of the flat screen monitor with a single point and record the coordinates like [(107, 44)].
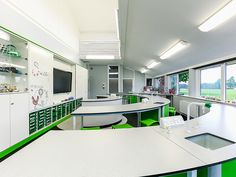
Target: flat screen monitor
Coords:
[(62, 81)]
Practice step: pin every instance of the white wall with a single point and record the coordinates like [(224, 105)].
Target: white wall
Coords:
[(59, 64), (139, 81), (40, 77), (98, 76), (81, 82), (47, 23)]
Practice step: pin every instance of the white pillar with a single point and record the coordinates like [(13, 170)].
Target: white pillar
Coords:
[(215, 171), (192, 173)]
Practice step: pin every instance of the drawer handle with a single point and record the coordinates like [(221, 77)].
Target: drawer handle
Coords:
[(12, 103)]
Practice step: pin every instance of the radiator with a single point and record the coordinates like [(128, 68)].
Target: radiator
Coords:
[(183, 106)]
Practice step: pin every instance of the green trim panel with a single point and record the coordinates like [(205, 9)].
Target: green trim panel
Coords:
[(178, 175), (166, 110), (32, 137)]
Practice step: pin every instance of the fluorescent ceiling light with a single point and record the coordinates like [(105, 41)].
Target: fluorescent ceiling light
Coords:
[(219, 17), (176, 48), (152, 65), (143, 70), (117, 24), (100, 57), (5, 36), (4, 64)]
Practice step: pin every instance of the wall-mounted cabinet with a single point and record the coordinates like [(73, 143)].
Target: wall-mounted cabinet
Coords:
[(19, 111), (13, 64), (14, 119), (5, 122)]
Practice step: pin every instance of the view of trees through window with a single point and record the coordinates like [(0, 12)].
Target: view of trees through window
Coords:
[(173, 84), (183, 83), (159, 84), (211, 83), (231, 83)]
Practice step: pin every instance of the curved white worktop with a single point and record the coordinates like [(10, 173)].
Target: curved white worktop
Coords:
[(220, 121), (125, 152), (154, 102), (104, 120), (104, 98)]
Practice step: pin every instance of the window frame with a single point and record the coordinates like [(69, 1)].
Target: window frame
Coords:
[(228, 64), (177, 85), (179, 81), (222, 79)]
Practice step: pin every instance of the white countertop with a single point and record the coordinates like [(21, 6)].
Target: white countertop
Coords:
[(108, 153), (106, 98), (220, 121), (126, 108), (124, 152)]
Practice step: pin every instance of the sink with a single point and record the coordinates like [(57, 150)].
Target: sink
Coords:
[(209, 141), (158, 103)]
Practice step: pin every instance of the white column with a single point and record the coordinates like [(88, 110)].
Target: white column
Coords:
[(197, 83), (223, 79), (215, 171), (192, 173), (192, 82)]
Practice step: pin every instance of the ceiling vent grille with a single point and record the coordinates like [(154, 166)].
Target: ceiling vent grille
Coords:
[(99, 48)]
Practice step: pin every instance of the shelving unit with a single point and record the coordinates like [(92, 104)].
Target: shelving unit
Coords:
[(13, 65)]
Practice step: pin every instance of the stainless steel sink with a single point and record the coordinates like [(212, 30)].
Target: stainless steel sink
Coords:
[(158, 103), (209, 141)]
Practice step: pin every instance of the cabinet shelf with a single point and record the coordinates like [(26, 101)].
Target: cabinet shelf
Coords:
[(11, 73), (12, 57)]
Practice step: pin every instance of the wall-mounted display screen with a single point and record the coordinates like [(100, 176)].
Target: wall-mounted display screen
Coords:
[(62, 81)]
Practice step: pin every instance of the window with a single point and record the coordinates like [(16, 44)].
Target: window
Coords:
[(113, 79), (183, 83), (211, 83), (149, 82), (160, 84), (173, 84), (127, 85), (231, 83)]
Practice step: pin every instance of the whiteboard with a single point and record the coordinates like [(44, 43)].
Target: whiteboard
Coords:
[(40, 77)]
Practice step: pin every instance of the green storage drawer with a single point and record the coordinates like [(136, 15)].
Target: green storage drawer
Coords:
[(59, 112), (71, 106), (32, 122), (54, 113), (41, 119), (63, 110), (74, 105), (77, 103), (48, 116), (67, 108)]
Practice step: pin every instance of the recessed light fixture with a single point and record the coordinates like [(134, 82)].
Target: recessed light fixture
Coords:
[(174, 49), (5, 36), (228, 11), (152, 65), (100, 57), (143, 70)]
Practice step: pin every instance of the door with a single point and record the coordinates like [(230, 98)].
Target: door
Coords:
[(127, 85), (19, 113), (113, 79), (4, 122), (97, 81)]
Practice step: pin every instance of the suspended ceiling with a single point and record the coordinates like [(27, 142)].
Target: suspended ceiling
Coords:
[(149, 27)]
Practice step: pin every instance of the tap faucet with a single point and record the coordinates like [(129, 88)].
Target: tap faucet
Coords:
[(194, 103)]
